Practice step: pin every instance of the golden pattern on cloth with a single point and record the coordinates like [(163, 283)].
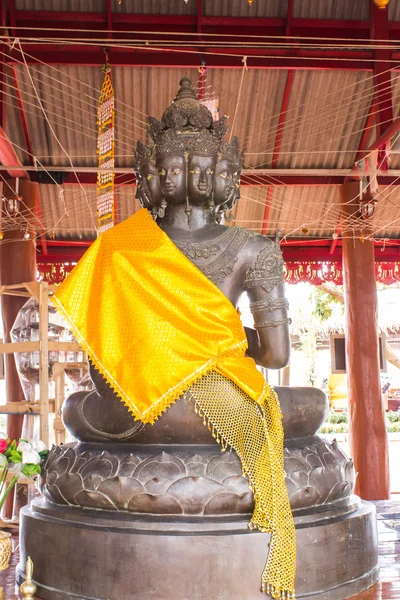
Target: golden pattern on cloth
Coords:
[(154, 326)]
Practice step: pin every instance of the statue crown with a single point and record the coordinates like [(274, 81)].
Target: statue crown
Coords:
[(230, 151)]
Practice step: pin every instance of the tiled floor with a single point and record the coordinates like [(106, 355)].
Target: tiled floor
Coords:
[(389, 557)]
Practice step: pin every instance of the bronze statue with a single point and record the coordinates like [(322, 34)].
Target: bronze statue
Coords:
[(166, 488)]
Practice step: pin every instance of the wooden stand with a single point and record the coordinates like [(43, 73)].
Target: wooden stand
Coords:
[(45, 406)]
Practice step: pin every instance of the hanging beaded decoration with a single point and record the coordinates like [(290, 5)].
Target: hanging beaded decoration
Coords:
[(105, 151)]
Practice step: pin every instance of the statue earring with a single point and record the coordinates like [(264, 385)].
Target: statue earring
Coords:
[(188, 210), (161, 208)]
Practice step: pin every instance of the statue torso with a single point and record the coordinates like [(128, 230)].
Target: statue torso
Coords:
[(226, 255)]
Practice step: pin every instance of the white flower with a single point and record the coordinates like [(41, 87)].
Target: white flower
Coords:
[(38, 445), (16, 469), (29, 455), (3, 461)]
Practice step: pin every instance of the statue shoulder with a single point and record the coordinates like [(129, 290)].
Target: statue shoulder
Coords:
[(265, 263)]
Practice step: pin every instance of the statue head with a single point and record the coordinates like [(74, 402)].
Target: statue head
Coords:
[(187, 146), (171, 166), (227, 177), (202, 151), (148, 190)]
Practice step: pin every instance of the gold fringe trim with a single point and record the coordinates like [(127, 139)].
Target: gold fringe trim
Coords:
[(221, 439)]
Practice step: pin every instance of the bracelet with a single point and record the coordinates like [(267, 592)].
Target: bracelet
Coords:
[(272, 323), (269, 305)]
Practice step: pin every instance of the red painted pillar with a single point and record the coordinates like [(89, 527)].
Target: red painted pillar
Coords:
[(368, 435), (17, 265)]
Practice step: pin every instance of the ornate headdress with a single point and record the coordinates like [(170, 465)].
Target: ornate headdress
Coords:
[(186, 126), (230, 151), (142, 154)]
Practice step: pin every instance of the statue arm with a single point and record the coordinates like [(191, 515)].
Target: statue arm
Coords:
[(269, 341)]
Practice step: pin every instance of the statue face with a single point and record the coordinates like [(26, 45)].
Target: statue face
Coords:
[(148, 190), (227, 183), (201, 177), (172, 173), (150, 174)]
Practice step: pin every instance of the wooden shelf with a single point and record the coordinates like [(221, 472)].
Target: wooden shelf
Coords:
[(45, 406)]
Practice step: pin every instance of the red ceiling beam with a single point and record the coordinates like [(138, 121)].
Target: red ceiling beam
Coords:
[(253, 179), (63, 23), (153, 27), (9, 157), (109, 19), (64, 54), (278, 139), (332, 28), (281, 122), (293, 250), (382, 65), (3, 20), (366, 131)]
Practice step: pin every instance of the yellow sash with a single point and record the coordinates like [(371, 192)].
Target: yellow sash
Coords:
[(150, 321), (155, 327)]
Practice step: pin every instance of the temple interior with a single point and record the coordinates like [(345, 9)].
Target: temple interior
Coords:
[(200, 299)]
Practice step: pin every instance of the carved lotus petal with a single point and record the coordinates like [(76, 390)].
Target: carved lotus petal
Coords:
[(340, 490), (163, 466), (229, 504), (196, 465), (94, 500), (120, 490), (224, 465), (53, 493), (304, 497), (324, 480), (339, 471), (59, 465), (156, 505), (69, 485), (128, 465), (98, 466), (350, 473), (193, 493), (327, 458), (196, 469), (92, 482), (299, 478), (79, 463), (236, 484), (113, 460), (70, 454), (49, 478), (291, 487), (157, 486), (295, 464), (313, 460)]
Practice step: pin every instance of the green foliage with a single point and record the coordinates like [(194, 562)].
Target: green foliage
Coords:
[(337, 422), (393, 427), (337, 417), (29, 470), (323, 304), (393, 416), (334, 428), (12, 454)]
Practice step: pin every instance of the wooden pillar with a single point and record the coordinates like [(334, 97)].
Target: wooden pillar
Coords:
[(368, 435), (17, 265)]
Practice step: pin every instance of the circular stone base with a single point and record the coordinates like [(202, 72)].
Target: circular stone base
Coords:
[(95, 555)]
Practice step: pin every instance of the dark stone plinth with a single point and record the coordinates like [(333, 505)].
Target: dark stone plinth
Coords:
[(98, 555)]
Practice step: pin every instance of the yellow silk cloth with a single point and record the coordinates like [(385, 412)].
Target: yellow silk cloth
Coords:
[(151, 322), (153, 325)]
